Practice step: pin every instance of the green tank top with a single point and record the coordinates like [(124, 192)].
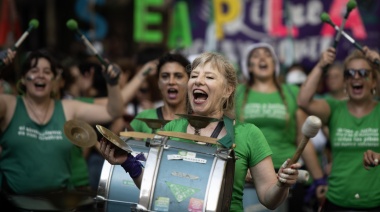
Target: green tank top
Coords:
[(35, 157)]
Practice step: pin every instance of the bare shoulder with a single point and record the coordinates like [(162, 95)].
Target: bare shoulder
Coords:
[(7, 109), (8, 100)]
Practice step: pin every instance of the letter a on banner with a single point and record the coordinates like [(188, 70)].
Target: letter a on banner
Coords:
[(354, 21), (180, 30)]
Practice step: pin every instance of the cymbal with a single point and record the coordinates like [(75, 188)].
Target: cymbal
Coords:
[(154, 123), (113, 138), (198, 122), (80, 133)]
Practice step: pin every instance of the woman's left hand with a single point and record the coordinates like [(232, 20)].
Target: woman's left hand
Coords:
[(370, 159), (288, 176)]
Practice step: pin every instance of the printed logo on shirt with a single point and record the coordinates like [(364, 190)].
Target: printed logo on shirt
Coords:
[(36, 134), (265, 110), (368, 137)]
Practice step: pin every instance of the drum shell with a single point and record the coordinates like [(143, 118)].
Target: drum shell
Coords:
[(116, 187), (178, 185)]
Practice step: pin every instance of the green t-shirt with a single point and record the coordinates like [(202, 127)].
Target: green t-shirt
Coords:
[(35, 158), (251, 148), (140, 126), (350, 184), (268, 112)]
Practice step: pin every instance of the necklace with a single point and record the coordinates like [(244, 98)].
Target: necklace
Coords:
[(33, 109)]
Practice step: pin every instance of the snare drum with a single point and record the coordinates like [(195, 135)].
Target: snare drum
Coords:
[(116, 187), (182, 176)]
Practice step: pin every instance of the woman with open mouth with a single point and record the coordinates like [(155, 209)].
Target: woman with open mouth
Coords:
[(272, 107), (354, 128), (172, 80), (211, 90), (36, 157)]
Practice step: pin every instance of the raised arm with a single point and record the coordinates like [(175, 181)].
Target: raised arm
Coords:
[(98, 113), (6, 57), (371, 55), (305, 100), (130, 89)]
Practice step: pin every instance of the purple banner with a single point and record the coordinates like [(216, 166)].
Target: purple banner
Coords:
[(293, 27)]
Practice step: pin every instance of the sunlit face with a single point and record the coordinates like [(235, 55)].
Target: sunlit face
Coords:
[(207, 90), (334, 79), (359, 87), (172, 83), (38, 80), (261, 63)]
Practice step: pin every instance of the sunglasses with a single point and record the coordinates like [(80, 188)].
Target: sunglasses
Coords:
[(350, 73)]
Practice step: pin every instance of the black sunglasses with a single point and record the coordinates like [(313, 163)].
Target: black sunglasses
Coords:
[(350, 73)]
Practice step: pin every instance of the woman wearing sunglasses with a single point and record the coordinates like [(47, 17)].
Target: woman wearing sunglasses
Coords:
[(354, 128)]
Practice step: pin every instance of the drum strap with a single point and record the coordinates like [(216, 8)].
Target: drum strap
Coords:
[(217, 129), (159, 113)]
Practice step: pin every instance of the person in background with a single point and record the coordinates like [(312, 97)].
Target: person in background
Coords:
[(172, 79), (354, 129), (272, 107), (36, 155)]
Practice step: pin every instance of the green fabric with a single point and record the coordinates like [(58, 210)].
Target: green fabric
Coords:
[(251, 148), (35, 157), (140, 126), (268, 112), (350, 137), (79, 169), (89, 100)]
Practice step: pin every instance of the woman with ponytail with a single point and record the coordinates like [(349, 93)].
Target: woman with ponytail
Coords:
[(272, 107)]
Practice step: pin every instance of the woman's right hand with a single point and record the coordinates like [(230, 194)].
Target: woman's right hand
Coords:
[(327, 57), (113, 154), (149, 68)]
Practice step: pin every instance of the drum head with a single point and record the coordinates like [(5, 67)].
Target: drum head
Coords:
[(80, 133), (113, 138)]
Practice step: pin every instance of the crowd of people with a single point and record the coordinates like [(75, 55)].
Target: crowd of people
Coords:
[(261, 115)]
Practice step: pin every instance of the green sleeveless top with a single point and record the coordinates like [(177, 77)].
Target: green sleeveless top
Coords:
[(35, 157)]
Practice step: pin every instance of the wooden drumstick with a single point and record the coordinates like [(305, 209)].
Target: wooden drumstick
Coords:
[(310, 128)]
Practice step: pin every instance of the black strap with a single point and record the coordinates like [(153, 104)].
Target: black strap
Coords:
[(217, 129), (159, 113)]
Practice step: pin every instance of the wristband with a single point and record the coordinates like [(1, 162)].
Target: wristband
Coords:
[(112, 80), (132, 166), (311, 191)]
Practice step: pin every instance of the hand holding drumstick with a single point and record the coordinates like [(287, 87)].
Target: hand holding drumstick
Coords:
[(370, 159), (309, 129)]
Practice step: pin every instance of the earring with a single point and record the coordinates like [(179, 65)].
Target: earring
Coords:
[(373, 91)]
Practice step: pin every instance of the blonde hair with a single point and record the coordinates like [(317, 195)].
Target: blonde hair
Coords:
[(221, 63), (359, 55)]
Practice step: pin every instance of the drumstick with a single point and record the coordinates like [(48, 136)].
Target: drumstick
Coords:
[(310, 128), (33, 24), (139, 135), (73, 25), (189, 136), (326, 18)]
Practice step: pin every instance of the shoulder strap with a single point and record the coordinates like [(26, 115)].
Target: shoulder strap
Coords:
[(159, 113), (217, 129)]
